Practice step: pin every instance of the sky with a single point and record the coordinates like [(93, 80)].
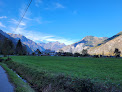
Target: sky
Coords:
[(66, 21)]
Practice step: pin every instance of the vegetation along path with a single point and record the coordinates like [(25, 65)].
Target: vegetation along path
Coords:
[(5, 85), (69, 74)]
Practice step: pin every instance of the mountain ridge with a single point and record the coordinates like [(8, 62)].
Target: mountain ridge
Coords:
[(108, 47), (52, 45), (14, 40), (34, 46), (31, 44), (85, 43)]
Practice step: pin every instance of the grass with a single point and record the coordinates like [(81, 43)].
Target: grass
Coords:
[(20, 86), (101, 70)]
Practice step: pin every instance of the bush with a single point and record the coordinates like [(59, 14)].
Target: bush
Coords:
[(77, 54), (96, 56)]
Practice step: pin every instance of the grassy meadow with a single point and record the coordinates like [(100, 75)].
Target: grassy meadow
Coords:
[(101, 70)]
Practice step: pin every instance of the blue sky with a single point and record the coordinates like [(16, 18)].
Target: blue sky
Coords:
[(66, 21)]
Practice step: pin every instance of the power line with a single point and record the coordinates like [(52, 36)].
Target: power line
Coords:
[(23, 14)]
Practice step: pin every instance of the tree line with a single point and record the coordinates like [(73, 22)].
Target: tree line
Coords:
[(85, 53), (8, 48)]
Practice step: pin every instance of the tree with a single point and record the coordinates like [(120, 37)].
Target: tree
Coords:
[(117, 52), (60, 53), (7, 47), (33, 53), (1, 47), (38, 52), (77, 54), (68, 54), (84, 52), (20, 49)]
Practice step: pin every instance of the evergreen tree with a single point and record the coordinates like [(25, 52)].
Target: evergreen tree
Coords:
[(20, 50), (38, 52), (7, 47)]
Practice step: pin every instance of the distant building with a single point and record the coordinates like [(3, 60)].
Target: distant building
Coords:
[(48, 52)]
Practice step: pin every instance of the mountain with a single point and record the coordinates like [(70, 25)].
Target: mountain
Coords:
[(34, 46), (52, 45), (86, 43), (5, 35), (2, 37), (9, 37), (31, 44), (108, 46)]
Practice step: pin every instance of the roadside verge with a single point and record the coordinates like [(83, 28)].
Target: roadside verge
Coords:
[(19, 85)]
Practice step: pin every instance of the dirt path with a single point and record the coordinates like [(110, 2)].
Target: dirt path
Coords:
[(5, 85)]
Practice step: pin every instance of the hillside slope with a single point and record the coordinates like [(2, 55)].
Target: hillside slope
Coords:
[(108, 47), (2, 37), (86, 43), (13, 40), (8, 36), (31, 44), (52, 45)]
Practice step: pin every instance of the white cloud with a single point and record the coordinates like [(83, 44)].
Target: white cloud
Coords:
[(40, 37), (38, 2), (1, 25), (27, 14), (37, 37), (27, 18), (19, 30), (58, 5), (16, 22), (54, 6), (40, 20), (60, 39), (3, 17)]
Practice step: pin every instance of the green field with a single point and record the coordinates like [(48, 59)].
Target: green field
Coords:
[(101, 69), (70, 74)]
